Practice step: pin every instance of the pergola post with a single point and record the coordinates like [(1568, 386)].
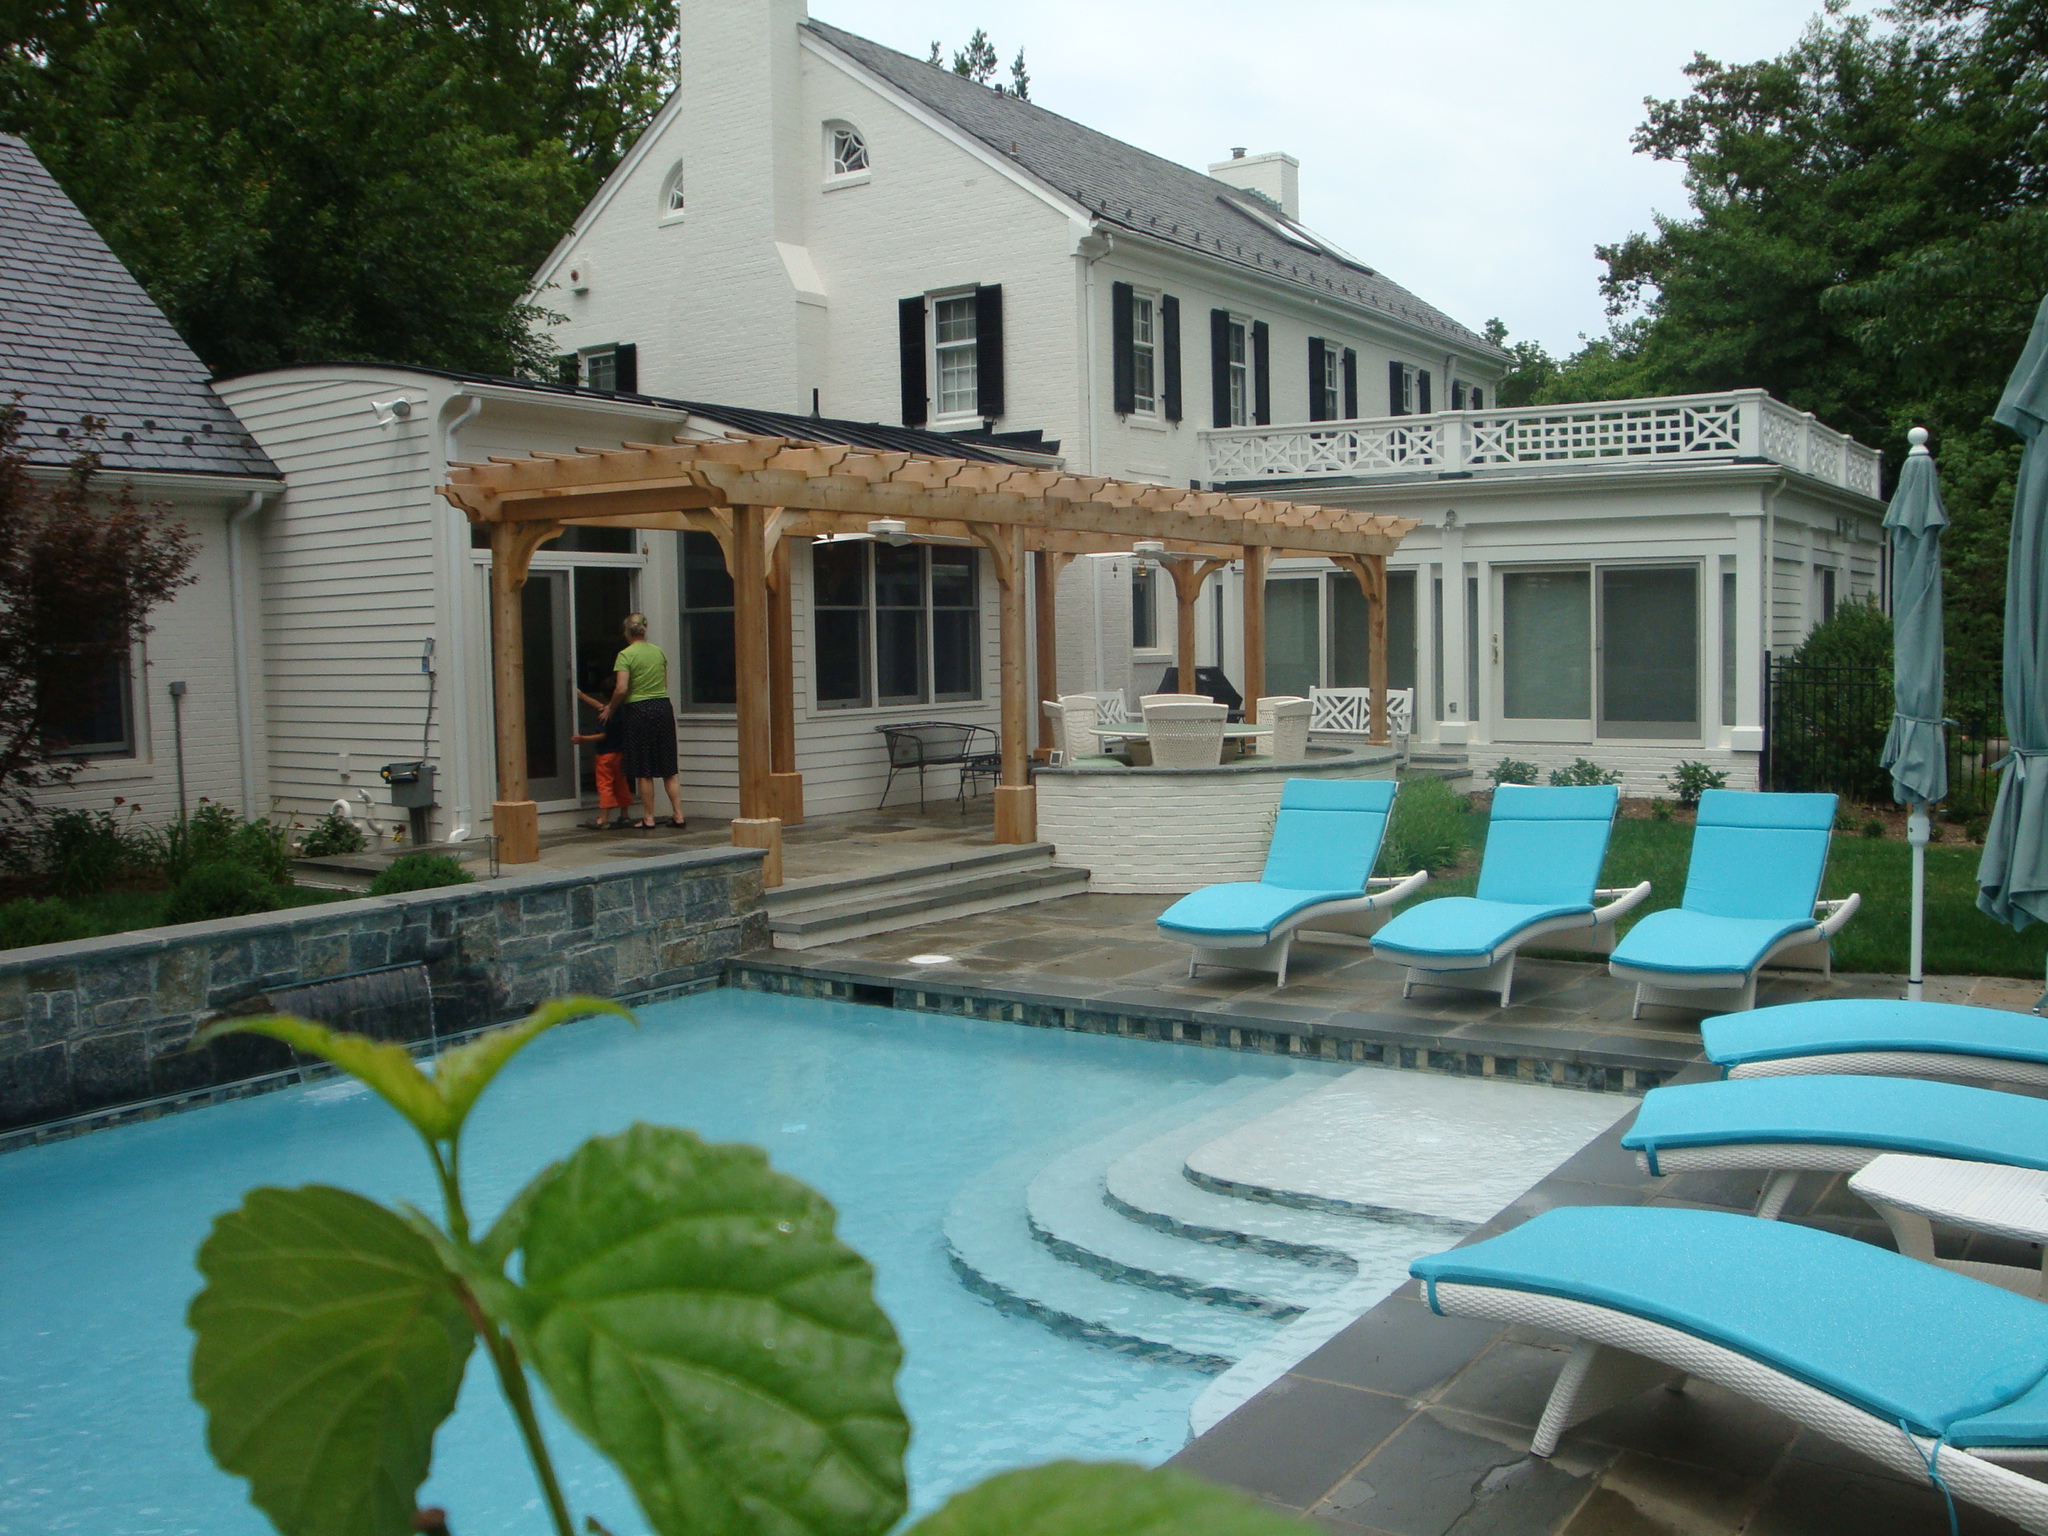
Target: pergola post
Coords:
[(515, 819), (1046, 566), (1016, 800), (1188, 576), (1371, 571), (1256, 558), (757, 825), (787, 783)]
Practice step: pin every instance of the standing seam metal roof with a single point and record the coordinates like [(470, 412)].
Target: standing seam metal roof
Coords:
[(1127, 186), (79, 337)]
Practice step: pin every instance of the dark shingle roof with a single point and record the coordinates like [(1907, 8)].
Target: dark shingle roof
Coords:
[(1124, 185), (79, 337), (998, 448)]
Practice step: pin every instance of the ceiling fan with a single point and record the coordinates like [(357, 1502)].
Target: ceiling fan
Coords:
[(891, 531)]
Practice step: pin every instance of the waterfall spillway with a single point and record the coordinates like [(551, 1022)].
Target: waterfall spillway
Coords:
[(392, 1002)]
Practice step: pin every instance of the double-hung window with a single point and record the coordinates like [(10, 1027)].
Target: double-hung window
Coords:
[(1144, 355), (90, 708), (1603, 650), (956, 355), (1329, 383), (1238, 370), (894, 624)]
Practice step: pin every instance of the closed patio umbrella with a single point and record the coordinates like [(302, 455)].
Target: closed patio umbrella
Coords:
[(1915, 751), (2012, 877)]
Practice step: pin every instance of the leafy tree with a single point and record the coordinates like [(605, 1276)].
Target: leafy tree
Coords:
[(81, 569), (1020, 78), (302, 179), (977, 62), (1867, 239)]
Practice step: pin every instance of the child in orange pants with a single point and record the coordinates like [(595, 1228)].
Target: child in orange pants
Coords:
[(614, 789)]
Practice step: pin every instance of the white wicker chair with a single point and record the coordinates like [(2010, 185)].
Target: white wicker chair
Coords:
[(1288, 714), (1146, 701), (1077, 725), (1110, 708), (1348, 712), (1185, 735)]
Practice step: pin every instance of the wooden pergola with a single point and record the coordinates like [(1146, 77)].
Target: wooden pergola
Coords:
[(755, 494)]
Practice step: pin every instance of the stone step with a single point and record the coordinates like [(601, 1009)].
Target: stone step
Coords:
[(994, 1250), (828, 890), (1068, 1211), (883, 907)]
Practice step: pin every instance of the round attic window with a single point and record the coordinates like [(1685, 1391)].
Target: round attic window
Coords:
[(672, 194)]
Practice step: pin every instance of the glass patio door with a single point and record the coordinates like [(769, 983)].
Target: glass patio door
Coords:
[(1294, 648), (550, 757)]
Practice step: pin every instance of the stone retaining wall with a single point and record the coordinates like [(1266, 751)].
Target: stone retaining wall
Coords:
[(106, 1022), (1177, 829)]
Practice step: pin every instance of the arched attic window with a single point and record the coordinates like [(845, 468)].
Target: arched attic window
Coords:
[(846, 151), (672, 193)]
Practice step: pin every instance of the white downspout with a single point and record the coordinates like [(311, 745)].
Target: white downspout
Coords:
[(455, 719), (1105, 243), (245, 722)]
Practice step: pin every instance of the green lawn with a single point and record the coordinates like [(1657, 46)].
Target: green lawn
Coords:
[(1961, 941)]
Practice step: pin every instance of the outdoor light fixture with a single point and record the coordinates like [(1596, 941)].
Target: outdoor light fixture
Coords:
[(1149, 549), (388, 411), (892, 529)]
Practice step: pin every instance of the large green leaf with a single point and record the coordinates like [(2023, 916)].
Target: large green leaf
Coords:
[(463, 1072), (387, 1068), (331, 1346), (1079, 1498), (692, 1313)]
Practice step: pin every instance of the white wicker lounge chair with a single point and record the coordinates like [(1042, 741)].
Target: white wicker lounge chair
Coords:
[(1937, 1377), (1880, 1036), (1288, 715)]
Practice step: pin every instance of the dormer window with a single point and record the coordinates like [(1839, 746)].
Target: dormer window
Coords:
[(672, 195), (847, 151)]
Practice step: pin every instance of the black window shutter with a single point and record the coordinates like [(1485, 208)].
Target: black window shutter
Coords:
[(1169, 356), (1478, 398), (626, 368), (1219, 366), (1422, 391), (910, 345), (1123, 366), (1317, 350), (988, 350), (1457, 394), (1262, 375), (1396, 406), (1350, 385)]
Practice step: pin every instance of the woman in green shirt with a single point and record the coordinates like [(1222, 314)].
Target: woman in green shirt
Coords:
[(640, 699)]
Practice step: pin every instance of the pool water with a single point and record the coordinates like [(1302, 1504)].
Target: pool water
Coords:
[(889, 1114)]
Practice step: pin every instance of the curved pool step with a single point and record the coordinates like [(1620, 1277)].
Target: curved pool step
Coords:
[(993, 1248), (1067, 1206)]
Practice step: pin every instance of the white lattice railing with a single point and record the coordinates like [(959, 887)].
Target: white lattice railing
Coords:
[(1672, 429)]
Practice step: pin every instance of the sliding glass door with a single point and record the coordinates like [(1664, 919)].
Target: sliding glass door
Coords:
[(1599, 652)]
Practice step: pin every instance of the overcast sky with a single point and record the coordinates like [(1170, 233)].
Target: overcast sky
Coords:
[(1473, 150)]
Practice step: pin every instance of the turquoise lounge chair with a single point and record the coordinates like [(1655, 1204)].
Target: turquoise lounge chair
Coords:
[(1882, 1036), (1835, 1124), (1752, 899), (1318, 874), (1933, 1375), (1544, 849)]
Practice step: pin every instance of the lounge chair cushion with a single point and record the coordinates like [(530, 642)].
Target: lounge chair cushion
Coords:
[(1758, 856), (1695, 943), (1544, 847), (1899, 1339), (1462, 925), (1887, 1114), (1845, 1024), (1243, 907)]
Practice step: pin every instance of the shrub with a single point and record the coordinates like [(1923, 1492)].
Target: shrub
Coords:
[(1845, 819), (1873, 828), (1660, 809), (23, 923), (1510, 771), (1965, 803), (1429, 830), (83, 852), (1858, 635), (331, 834), (1691, 780), (1584, 773), (1976, 828), (419, 872), (213, 834), (221, 889)]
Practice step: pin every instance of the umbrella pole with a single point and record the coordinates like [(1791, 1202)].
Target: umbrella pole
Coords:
[(1917, 831)]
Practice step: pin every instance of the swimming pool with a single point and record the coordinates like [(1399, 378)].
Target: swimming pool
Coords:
[(890, 1114)]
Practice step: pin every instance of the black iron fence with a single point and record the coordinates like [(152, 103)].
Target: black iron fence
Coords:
[(1825, 728)]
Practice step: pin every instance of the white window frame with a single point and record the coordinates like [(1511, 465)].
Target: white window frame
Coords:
[(936, 358), (1408, 371), (609, 354), (1145, 354), (840, 136), (870, 648), (1332, 381), (1237, 365), (673, 195)]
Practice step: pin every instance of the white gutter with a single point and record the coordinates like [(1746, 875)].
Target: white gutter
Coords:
[(1104, 243), (245, 723), (455, 720)]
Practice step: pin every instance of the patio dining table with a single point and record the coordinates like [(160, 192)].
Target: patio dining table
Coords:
[(1135, 730)]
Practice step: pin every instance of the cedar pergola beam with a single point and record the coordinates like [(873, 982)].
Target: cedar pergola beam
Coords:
[(754, 494)]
